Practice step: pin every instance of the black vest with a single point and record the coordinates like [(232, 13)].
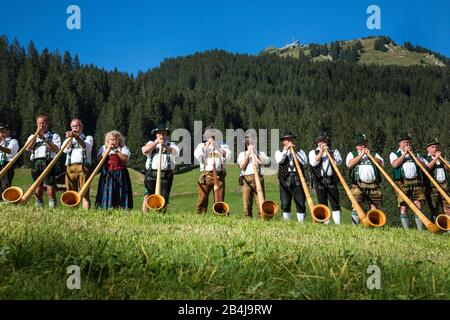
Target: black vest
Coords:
[(284, 166), (316, 173)]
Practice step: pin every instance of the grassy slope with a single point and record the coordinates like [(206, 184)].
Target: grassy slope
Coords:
[(182, 255)]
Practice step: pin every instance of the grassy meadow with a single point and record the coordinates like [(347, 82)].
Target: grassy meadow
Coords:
[(181, 255)]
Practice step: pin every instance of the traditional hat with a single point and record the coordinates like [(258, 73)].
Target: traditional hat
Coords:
[(287, 135), (161, 128), (404, 136), (4, 126), (434, 142), (321, 135), (361, 139)]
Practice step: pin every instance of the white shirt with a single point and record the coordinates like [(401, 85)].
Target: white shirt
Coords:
[(409, 167), (41, 152), (124, 150), (440, 172), (201, 156), (249, 169), (326, 165), (280, 156), (13, 145), (164, 159), (76, 154), (366, 171)]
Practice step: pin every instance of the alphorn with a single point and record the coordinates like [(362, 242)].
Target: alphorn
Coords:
[(374, 217), (156, 201), (320, 213), (442, 221), (72, 199), (13, 160), (15, 195), (220, 207), (267, 208), (444, 162)]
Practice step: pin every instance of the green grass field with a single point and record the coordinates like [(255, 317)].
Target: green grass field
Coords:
[(181, 255)]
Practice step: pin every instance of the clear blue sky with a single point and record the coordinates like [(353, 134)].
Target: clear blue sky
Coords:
[(137, 35)]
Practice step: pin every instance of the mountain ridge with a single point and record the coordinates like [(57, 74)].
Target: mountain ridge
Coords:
[(370, 50)]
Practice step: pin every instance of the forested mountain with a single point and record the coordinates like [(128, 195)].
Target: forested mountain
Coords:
[(230, 90)]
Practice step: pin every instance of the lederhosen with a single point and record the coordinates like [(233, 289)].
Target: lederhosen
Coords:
[(434, 199), (8, 177), (205, 184), (363, 191), (38, 165), (249, 192), (325, 186), (290, 185), (76, 176), (166, 175), (413, 188)]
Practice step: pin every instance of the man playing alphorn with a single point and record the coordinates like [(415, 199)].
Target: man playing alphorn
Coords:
[(44, 148), (78, 159)]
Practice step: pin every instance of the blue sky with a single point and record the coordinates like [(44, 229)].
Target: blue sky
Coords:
[(138, 35)]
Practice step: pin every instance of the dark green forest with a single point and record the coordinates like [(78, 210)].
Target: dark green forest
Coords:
[(231, 91)]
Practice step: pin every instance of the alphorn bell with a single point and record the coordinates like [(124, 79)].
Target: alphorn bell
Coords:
[(72, 199), (156, 201), (15, 195), (220, 207), (267, 208), (443, 219), (13, 160), (320, 213), (375, 217), (442, 224)]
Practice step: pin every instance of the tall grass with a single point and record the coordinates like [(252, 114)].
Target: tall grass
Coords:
[(181, 255)]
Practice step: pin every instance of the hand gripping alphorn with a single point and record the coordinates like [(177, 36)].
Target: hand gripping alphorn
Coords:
[(374, 218), (320, 213)]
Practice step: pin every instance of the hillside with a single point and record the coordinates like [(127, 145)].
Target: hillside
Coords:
[(181, 255), (387, 53)]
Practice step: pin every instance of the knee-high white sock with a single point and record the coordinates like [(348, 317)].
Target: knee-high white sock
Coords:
[(355, 218), (51, 203), (405, 220), (300, 217), (419, 224), (287, 216), (336, 216)]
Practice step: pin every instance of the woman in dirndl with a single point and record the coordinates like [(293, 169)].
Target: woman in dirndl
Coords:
[(114, 186)]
